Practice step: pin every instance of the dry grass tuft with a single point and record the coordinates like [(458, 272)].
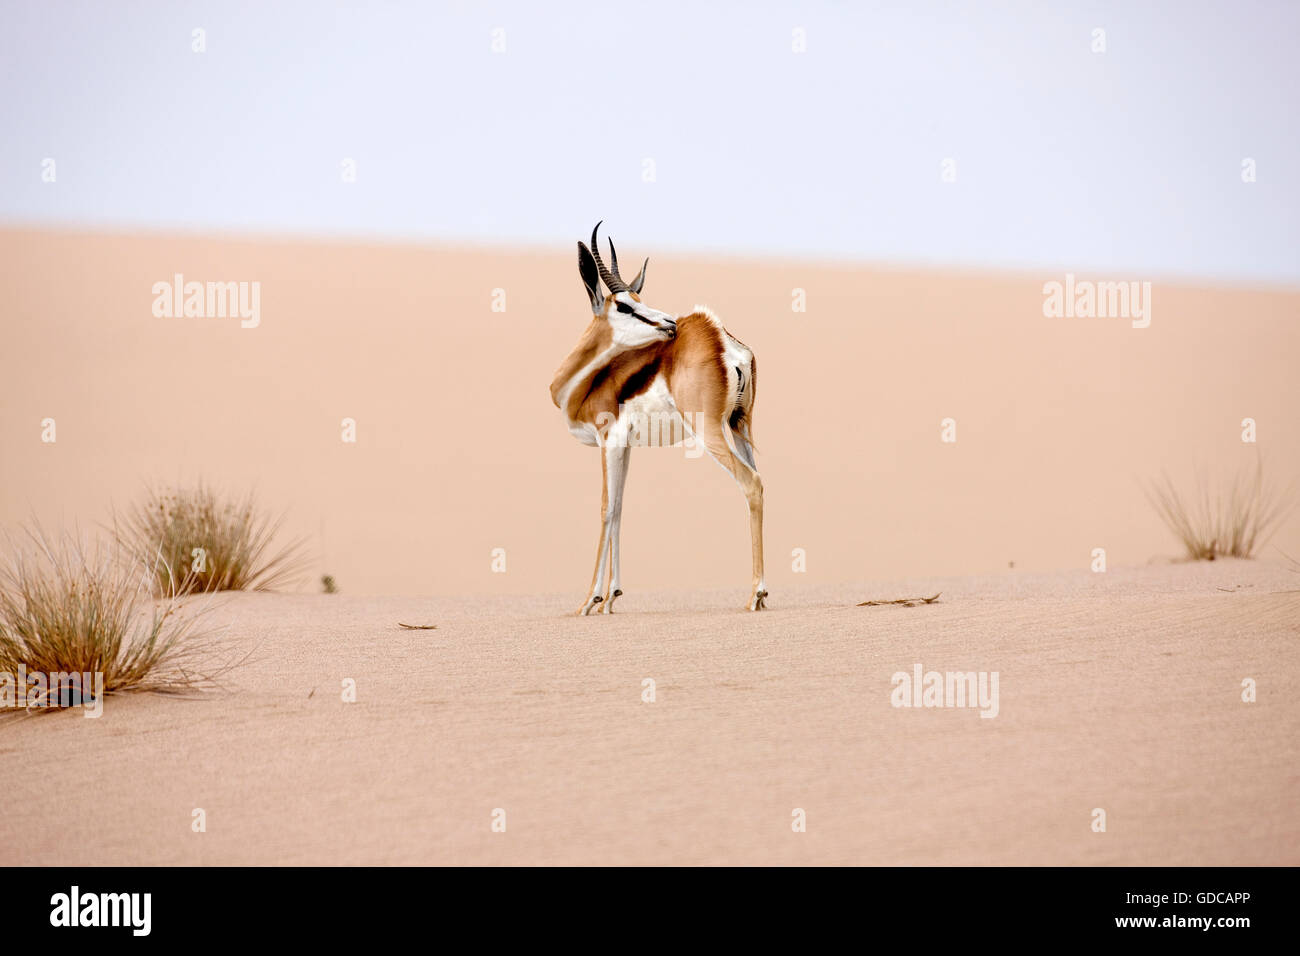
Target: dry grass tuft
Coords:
[(67, 609), (1222, 523), (196, 541)]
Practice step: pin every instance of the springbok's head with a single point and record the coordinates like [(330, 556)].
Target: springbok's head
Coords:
[(632, 322)]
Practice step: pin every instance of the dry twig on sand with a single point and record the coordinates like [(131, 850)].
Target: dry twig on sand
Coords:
[(904, 602)]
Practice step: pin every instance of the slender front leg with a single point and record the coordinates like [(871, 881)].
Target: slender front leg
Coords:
[(618, 457), (598, 576)]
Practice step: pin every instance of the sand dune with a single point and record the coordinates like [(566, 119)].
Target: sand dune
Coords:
[(1118, 690), (459, 450)]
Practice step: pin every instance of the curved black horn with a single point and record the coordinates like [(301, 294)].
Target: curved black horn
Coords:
[(613, 260), (612, 281)]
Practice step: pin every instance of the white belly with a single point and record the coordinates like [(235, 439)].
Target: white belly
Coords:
[(650, 419)]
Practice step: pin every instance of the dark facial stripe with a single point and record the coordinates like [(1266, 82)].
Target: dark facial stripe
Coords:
[(628, 310)]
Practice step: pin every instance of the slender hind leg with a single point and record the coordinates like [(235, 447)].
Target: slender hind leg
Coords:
[(754, 495), (752, 485), (722, 444)]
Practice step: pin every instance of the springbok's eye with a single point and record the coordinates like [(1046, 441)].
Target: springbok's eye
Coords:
[(625, 308)]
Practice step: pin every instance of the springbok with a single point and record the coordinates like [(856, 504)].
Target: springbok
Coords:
[(634, 364)]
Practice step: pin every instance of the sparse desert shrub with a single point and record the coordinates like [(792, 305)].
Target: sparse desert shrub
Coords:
[(72, 609), (1223, 522), (327, 584), (197, 541)]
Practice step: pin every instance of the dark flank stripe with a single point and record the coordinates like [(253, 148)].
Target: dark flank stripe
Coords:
[(638, 381)]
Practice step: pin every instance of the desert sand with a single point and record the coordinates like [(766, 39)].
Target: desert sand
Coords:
[(1119, 690)]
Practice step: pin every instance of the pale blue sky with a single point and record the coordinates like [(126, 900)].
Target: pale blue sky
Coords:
[(1127, 161)]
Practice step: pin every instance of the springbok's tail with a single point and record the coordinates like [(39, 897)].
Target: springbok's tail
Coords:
[(741, 419)]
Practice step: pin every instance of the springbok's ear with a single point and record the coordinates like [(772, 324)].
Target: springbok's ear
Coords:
[(590, 277), (636, 284)]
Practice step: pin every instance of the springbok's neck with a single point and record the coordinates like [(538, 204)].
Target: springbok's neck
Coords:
[(594, 351)]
